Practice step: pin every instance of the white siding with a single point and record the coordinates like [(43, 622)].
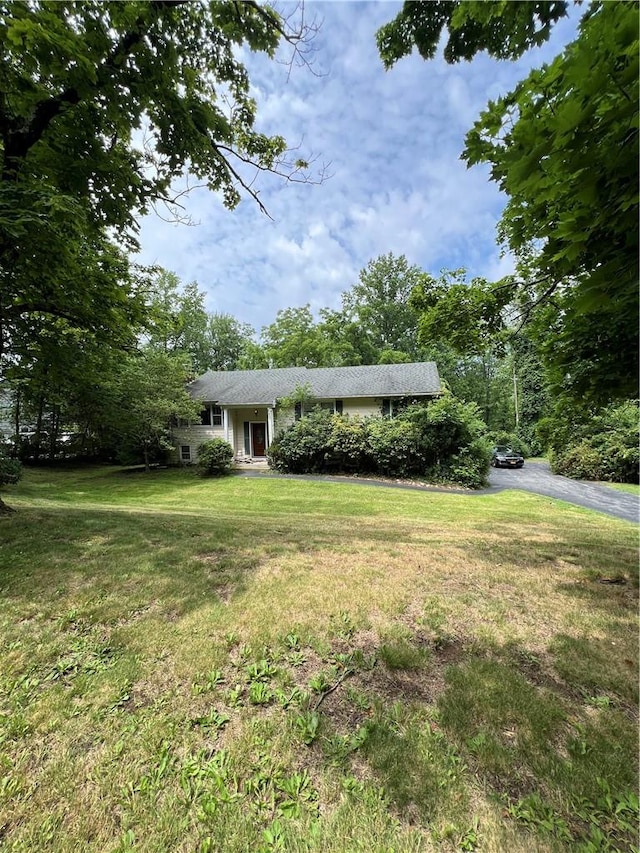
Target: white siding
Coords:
[(365, 407), (193, 436), (237, 418)]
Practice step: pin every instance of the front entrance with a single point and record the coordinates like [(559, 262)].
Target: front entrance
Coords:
[(258, 439)]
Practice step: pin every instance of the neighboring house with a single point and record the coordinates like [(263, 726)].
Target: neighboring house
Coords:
[(243, 406)]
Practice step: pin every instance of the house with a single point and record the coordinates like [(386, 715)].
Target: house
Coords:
[(243, 406)]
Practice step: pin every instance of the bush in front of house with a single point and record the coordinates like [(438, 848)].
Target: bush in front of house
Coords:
[(469, 467), (347, 448), (440, 441), (394, 447), (303, 448), (215, 457)]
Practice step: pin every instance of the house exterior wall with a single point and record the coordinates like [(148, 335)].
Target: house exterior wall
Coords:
[(193, 436), (363, 407)]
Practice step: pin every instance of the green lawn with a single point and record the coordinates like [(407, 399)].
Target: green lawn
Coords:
[(631, 488), (252, 664)]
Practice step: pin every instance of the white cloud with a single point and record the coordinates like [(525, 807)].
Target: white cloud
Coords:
[(394, 141)]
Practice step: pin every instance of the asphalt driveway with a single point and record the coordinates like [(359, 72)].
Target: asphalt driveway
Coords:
[(537, 477)]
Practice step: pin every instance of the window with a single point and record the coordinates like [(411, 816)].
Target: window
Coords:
[(389, 408), (338, 407), (185, 453), (298, 411), (216, 413), (205, 417)]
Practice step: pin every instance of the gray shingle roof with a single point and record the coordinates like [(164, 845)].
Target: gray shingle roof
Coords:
[(263, 387)]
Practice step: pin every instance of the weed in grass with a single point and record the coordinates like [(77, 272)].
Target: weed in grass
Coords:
[(598, 701), (207, 682), (273, 838), (292, 641), (612, 819), (343, 625), (320, 682), (234, 696), (298, 794), (212, 720), (338, 747), (361, 701), (534, 813), (261, 670), (296, 658), (307, 725), (260, 693), (287, 698), (231, 640)]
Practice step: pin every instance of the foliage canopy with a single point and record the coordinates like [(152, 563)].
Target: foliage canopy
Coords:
[(563, 146), (103, 106)]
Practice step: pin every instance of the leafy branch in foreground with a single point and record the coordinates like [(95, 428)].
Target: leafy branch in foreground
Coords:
[(563, 146)]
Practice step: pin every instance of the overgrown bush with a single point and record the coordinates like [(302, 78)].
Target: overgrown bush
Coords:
[(215, 457), (603, 447), (394, 447), (347, 448), (580, 461), (469, 467), (440, 440)]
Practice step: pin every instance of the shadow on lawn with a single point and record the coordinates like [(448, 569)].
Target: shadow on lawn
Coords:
[(182, 558)]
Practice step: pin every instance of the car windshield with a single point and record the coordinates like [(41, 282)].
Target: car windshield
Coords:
[(502, 448)]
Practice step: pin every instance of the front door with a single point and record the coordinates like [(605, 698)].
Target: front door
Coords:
[(258, 439)]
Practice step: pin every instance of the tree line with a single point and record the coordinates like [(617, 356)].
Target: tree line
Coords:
[(104, 106)]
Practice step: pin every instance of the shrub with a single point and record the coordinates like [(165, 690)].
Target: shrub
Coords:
[(604, 446), (470, 467), (347, 446), (581, 462), (10, 470), (394, 447), (440, 438), (446, 426), (303, 447), (215, 456)]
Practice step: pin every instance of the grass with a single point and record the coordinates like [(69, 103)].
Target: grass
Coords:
[(630, 488), (261, 664)]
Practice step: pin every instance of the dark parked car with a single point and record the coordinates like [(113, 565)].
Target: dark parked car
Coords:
[(504, 457)]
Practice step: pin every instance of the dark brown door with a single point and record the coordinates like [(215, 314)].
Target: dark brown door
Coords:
[(259, 439)]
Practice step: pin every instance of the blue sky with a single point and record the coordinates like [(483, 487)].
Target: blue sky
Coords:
[(392, 141)]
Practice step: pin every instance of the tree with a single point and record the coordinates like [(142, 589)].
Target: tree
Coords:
[(564, 147), (144, 395), (379, 304), (179, 319), (504, 30), (10, 473), (294, 339), (468, 315), (104, 106), (228, 342)]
